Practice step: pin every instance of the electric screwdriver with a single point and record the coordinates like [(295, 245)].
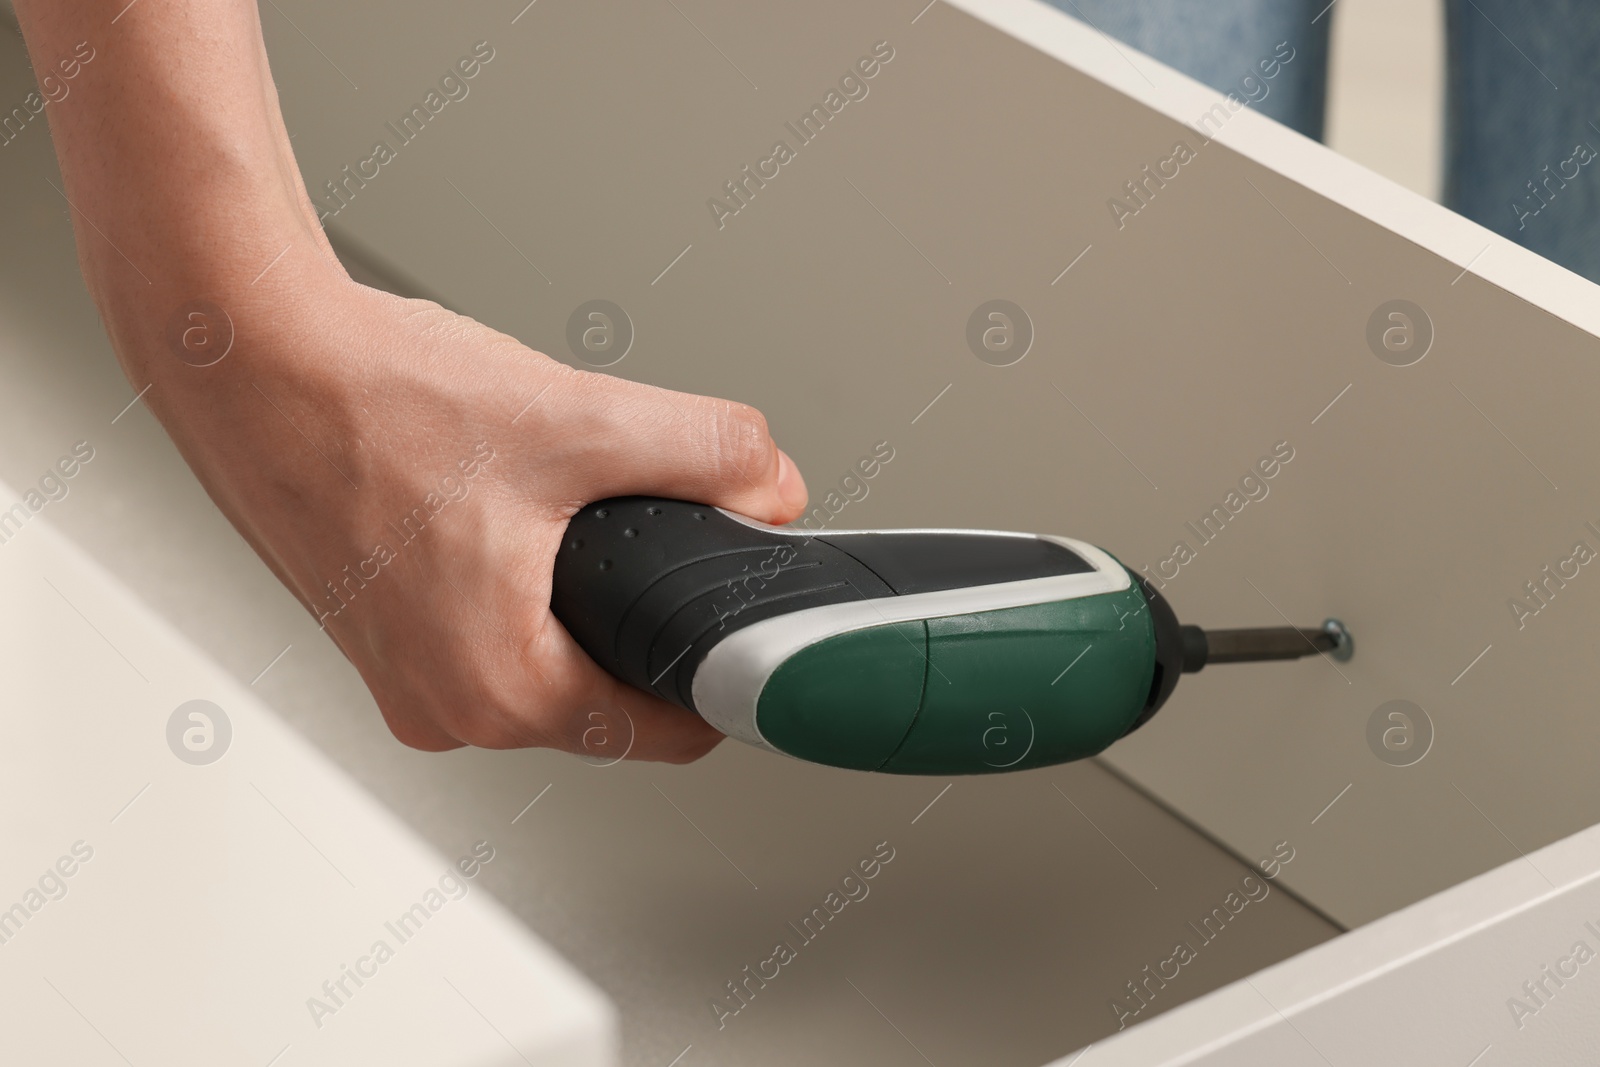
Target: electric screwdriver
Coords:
[(901, 651)]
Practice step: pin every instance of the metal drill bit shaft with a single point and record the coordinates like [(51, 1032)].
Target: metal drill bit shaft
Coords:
[(1265, 643)]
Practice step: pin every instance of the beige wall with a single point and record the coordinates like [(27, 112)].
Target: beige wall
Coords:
[(1224, 318)]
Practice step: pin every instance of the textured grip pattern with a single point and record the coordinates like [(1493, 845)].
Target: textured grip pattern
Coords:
[(648, 586)]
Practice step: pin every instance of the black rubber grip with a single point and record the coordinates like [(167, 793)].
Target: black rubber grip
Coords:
[(648, 586)]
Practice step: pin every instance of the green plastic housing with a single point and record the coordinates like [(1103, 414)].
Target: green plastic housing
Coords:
[(968, 694)]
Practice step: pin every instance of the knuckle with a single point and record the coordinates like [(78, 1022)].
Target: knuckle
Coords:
[(429, 317), (744, 446), (489, 716), (500, 708), (482, 728), (413, 738), (412, 731)]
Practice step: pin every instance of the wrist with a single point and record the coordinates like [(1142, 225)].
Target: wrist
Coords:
[(181, 178), (235, 267)]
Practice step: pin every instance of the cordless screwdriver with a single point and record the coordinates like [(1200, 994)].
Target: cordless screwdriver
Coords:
[(902, 651)]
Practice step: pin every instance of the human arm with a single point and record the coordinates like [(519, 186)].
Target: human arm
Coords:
[(380, 454)]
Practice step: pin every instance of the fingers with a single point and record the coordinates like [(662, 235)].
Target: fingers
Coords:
[(457, 643), (641, 727), (585, 711), (538, 691), (608, 723), (658, 442)]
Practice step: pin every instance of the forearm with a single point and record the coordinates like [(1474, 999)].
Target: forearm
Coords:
[(174, 158), (342, 419)]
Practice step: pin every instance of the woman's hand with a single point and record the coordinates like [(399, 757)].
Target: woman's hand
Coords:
[(409, 473), (406, 472)]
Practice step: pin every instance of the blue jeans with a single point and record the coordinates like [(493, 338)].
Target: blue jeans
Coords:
[(1522, 156)]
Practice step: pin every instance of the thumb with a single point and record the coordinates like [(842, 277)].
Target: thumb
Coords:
[(688, 447)]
